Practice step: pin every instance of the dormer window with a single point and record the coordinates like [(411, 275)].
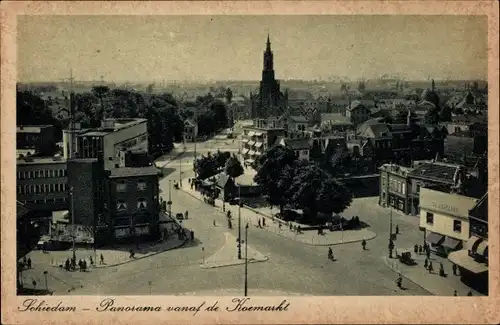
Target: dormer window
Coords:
[(142, 204)]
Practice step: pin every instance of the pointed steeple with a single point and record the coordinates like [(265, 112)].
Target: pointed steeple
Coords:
[(268, 44)]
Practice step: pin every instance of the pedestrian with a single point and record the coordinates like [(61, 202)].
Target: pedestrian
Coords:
[(80, 265), (428, 253), (399, 281), (259, 224), (214, 223), (291, 227), (131, 253), (66, 264), (192, 235), (29, 262), (263, 222), (431, 268), (280, 225), (415, 249), (420, 249), (363, 243), (298, 229), (91, 261), (25, 261), (84, 265), (397, 229), (454, 268), (102, 259), (469, 293), (441, 270), (426, 263), (34, 283), (455, 293)]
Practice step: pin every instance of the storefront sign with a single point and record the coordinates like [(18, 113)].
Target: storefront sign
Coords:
[(444, 207)]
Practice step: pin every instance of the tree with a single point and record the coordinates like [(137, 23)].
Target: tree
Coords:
[(361, 86), (205, 167), (233, 167), (100, 92), (316, 150), (272, 168), (229, 95), (314, 190), (221, 158)]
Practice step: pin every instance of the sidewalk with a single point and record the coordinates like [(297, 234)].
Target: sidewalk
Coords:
[(228, 255), (309, 237), (434, 283), (112, 257), (166, 159)]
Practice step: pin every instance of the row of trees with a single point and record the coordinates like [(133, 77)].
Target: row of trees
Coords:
[(164, 113), (300, 184)]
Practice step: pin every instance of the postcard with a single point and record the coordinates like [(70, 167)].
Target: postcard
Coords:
[(250, 162)]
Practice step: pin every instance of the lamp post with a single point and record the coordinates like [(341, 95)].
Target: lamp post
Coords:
[(73, 234), (246, 260), (169, 203), (46, 283), (239, 222), (391, 243), (180, 172)]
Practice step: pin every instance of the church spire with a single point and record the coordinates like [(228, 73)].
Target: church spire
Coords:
[(268, 44)]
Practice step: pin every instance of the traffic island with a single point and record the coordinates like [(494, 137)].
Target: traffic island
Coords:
[(228, 255)]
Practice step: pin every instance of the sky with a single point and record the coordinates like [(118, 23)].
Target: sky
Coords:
[(205, 48)]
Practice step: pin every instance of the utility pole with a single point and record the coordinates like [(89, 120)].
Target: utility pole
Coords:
[(180, 171), (246, 260), (73, 234), (239, 222)]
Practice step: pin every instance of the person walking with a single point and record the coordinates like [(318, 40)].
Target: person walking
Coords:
[(431, 268), (192, 235), (454, 268), (259, 224), (66, 264), (29, 262), (455, 293), (441, 269), (428, 252), (426, 263), (102, 259), (84, 265), (34, 283), (263, 222), (399, 281), (397, 229), (91, 261), (420, 249), (415, 249), (363, 243)]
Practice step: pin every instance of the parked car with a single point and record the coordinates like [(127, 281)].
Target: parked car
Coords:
[(179, 216)]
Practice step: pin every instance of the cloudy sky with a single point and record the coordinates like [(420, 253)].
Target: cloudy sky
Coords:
[(146, 48)]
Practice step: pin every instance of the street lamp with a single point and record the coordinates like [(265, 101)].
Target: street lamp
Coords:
[(169, 203), (180, 171), (73, 221), (239, 222), (246, 260), (46, 283), (391, 243)]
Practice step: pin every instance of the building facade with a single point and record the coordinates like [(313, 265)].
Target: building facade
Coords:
[(445, 218), (42, 183), (190, 130), (35, 139), (257, 139), (107, 141), (131, 209), (299, 145), (357, 113), (270, 101), (394, 187), (472, 261)]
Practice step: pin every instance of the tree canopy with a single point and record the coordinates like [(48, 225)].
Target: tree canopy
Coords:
[(233, 167)]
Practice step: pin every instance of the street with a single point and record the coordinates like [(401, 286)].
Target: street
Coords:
[(292, 266)]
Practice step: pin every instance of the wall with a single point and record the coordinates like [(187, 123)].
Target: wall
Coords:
[(84, 176), (43, 186), (446, 208)]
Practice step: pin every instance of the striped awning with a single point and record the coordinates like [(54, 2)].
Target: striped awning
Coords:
[(245, 140), (482, 248), (462, 259), (258, 134), (245, 151), (257, 153), (471, 242), (258, 144), (251, 143), (251, 152), (251, 134)]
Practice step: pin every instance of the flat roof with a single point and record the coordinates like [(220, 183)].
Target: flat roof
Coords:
[(40, 160), (31, 128), (134, 171)]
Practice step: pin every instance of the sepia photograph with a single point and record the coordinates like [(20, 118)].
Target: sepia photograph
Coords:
[(249, 156)]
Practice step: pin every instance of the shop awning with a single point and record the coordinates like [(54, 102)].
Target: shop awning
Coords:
[(471, 242), (245, 151), (482, 247), (257, 153), (434, 238), (251, 143), (258, 144), (258, 134), (251, 152), (462, 259), (451, 242), (245, 140), (251, 134), (249, 161)]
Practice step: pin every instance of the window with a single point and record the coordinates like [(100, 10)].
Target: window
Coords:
[(304, 152), (19, 191), (430, 218), (121, 187), (47, 173), (141, 186), (418, 187), (142, 204), (404, 188), (457, 226), (121, 206)]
